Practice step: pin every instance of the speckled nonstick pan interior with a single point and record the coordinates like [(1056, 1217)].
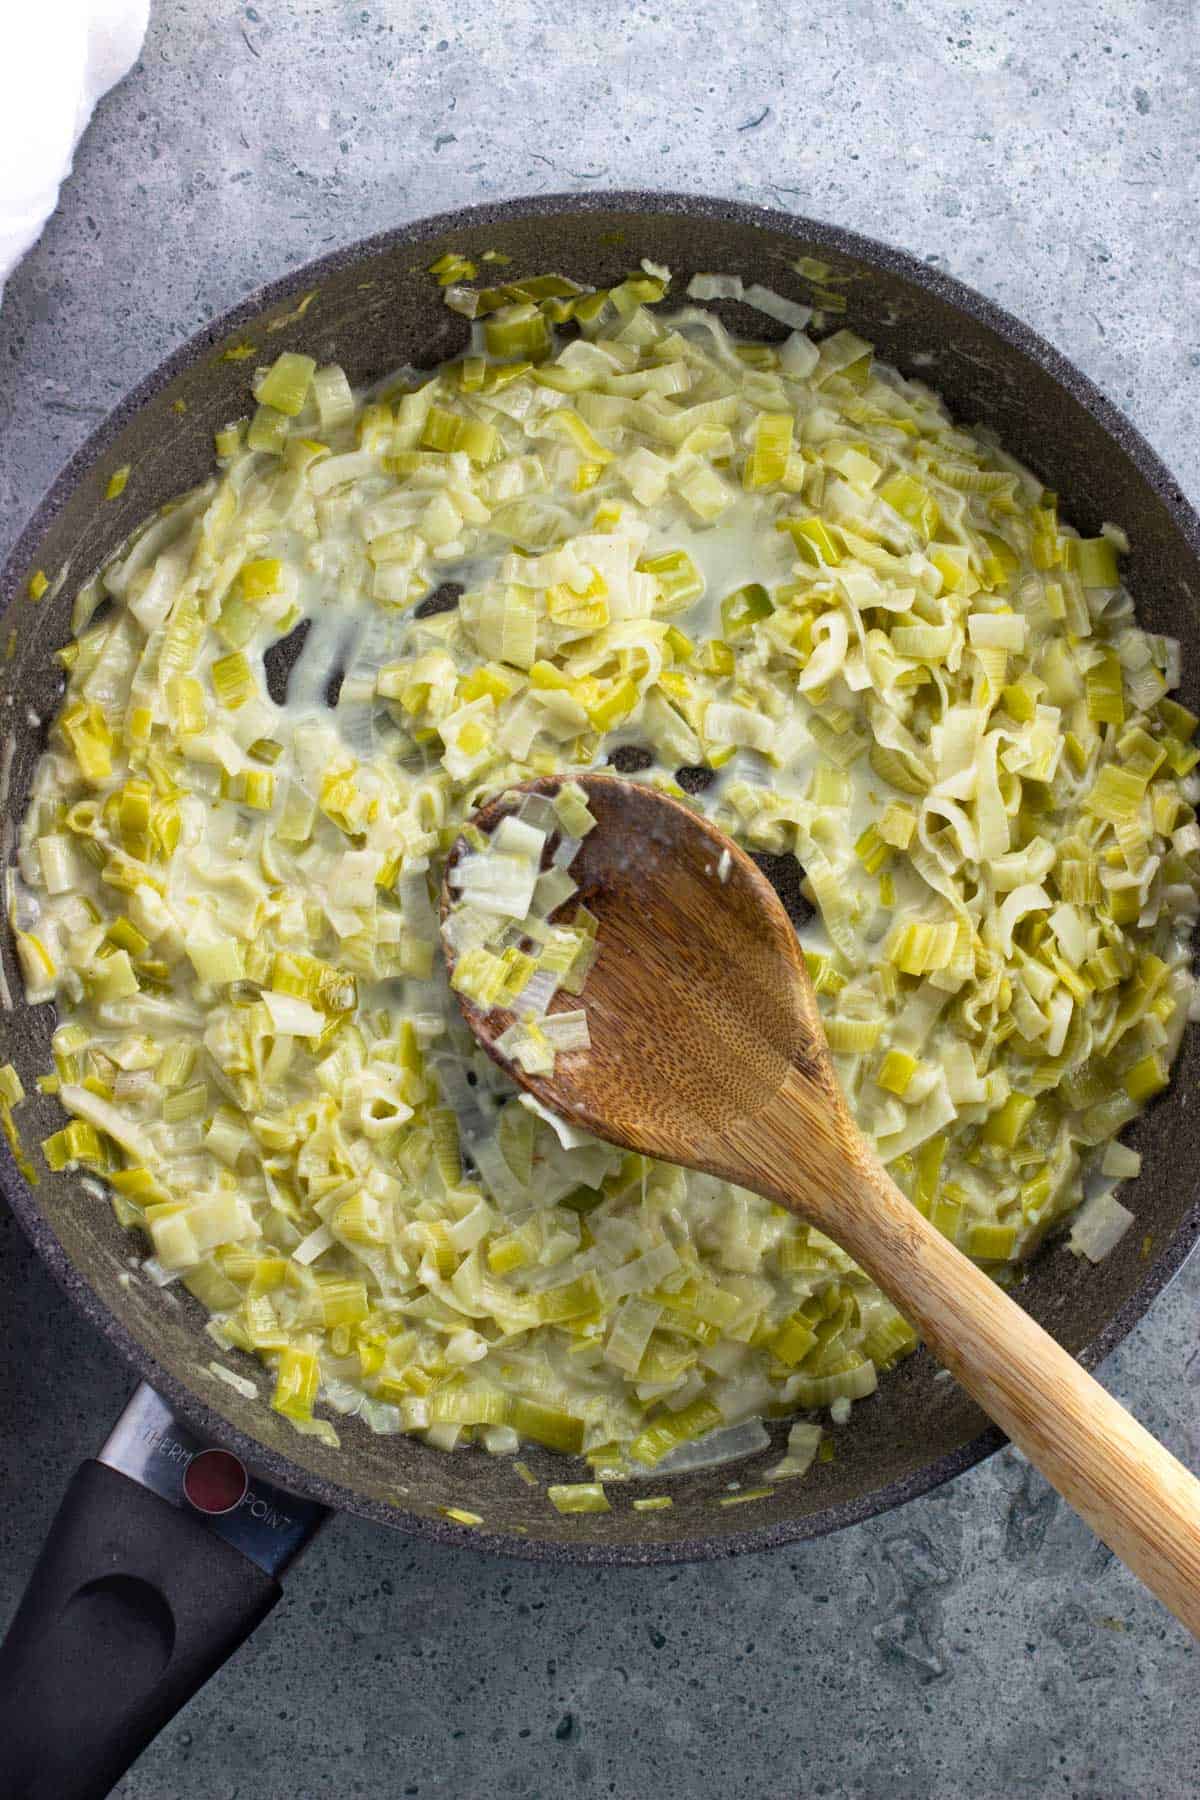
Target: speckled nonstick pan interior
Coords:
[(373, 307)]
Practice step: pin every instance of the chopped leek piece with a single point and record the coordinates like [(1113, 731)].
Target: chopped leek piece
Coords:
[(547, 1425), (1098, 1227), (768, 459), (11, 1091), (814, 541), (679, 580), (518, 331), (896, 1071), (578, 1497), (268, 430), (1146, 1078), (909, 496), (742, 609), (296, 1382), (286, 383), (673, 1429), (1094, 560)]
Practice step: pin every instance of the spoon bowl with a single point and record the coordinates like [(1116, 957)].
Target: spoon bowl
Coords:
[(696, 947)]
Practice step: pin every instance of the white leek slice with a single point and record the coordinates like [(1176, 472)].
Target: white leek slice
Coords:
[(1099, 1226)]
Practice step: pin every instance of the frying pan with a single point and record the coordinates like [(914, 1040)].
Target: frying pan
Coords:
[(132, 1577)]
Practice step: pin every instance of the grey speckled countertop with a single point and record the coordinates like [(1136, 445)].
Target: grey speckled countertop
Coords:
[(979, 1642)]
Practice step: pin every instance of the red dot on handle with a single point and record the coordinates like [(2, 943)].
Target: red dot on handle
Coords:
[(215, 1481)]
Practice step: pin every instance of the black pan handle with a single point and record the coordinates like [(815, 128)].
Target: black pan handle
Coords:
[(132, 1605)]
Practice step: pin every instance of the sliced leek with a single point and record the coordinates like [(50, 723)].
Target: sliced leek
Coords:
[(857, 633)]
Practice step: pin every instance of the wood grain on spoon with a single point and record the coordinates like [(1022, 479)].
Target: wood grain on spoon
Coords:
[(707, 1049)]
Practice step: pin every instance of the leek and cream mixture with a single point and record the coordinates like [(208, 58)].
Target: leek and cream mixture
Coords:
[(860, 633)]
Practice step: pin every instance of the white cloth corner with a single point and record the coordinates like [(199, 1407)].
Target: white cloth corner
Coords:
[(57, 59)]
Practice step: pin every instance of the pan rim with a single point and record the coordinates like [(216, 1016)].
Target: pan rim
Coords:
[(191, 1408)]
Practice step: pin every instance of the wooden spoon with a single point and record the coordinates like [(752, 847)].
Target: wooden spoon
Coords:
[(707, 1049)]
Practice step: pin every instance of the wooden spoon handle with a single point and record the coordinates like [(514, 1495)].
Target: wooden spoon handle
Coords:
[(1133, 1493)]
